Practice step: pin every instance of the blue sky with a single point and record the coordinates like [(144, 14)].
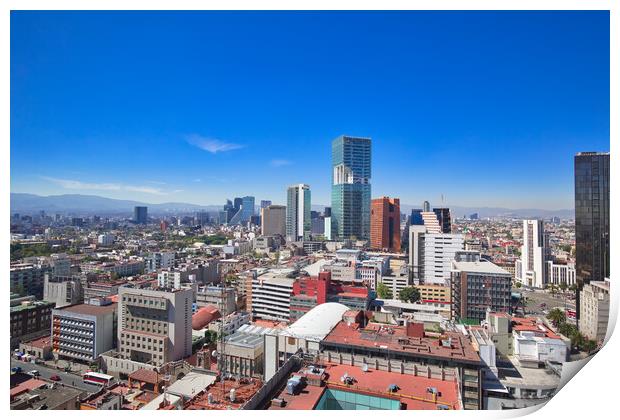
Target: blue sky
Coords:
[(486, 108)]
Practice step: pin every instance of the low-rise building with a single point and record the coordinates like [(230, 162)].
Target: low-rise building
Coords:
[(82, 332)]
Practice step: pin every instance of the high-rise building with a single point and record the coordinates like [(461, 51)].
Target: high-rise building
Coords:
[(140, 215), (298, 204), (426, 206), (244, 212), (592, 216), (444, 218), (437, 251), (202, 218), (531, 268), (351, 173), (265, 203), (385, 224), (273, 220), (479, 286), (155, 325)]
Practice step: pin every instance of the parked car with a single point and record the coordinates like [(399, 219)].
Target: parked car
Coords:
[(34, 373), (55, 378), (16, 369)]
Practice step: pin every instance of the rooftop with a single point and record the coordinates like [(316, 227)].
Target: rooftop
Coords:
[(318, 322), (452, 346), (412, 391), (479, 267), (85, 309), (220, 395)]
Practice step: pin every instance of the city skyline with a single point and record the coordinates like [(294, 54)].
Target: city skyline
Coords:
[(419, 95)]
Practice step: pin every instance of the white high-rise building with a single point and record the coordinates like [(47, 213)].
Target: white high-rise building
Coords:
[(430, 251), (531, 268), (298, 223), (437, 254)]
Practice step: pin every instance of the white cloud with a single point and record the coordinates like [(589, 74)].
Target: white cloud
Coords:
[(71, 184), (280, 162), (212, 145)]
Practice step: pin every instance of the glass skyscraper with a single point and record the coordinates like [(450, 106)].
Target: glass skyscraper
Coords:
[(350, 188), (591, 218)]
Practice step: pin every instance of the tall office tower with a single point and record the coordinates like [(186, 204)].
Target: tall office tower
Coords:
[(426, 206), (436, 253), (444, 218), (273, 220), (298, 222), (416, 217), (385, 224), (265, 203), (592, 216), (530, 269), (245, 211), (140, 214), (591, 219), (351, 174), (155, 325), (237, 203)]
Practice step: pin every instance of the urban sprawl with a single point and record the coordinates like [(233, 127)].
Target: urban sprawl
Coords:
[(280, 307)]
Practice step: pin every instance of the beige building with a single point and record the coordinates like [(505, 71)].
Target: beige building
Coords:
[(155, 325), (594, 309), (273, 220), (434, 292)]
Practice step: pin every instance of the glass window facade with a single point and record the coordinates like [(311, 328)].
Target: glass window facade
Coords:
[(592, 216), (351, 188)]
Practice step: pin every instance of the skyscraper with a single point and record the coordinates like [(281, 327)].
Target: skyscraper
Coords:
[(445, 220), (530, 269), (351, 174), (265, 203), (298, 204), (273, 220), (244, 212), (591, 219), (140, 215), (592, 216), (385, 224)]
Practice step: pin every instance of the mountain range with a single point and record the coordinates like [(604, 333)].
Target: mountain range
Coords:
[(93, 204)]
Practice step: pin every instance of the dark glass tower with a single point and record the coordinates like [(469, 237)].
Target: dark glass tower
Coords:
[(443, 216), (591, 217), (350, 188), (140, 215)]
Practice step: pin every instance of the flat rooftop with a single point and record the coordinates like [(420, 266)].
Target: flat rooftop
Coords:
[(412, 392), (84, 309), (220, 394), (394, 338), (484, 267)]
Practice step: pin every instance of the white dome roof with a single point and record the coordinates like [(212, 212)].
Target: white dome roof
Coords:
[(317, 323)]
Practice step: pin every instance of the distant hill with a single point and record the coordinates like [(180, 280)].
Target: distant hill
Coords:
[(78, 203)]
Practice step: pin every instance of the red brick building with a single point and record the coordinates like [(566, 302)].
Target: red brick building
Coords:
[(385, 224)]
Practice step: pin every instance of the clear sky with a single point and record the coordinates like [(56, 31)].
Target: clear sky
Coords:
[(486, 108)]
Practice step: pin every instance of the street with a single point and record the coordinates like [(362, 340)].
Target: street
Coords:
[(46, 373), (534, 299)]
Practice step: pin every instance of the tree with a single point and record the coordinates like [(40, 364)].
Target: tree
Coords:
[(563, 286), (589, 346), (383, 291), (568, 330), (557, 317), (519, 285), (409, 294)]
